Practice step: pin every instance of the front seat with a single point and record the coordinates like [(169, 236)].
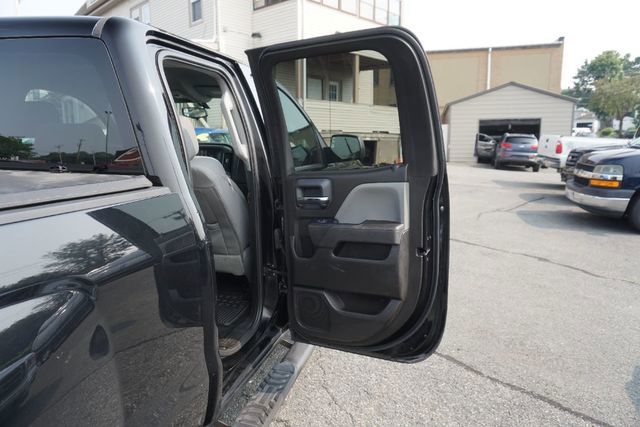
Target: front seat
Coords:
[(223, 205)]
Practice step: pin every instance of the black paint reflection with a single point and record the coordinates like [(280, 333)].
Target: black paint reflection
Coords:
[(97, 311)]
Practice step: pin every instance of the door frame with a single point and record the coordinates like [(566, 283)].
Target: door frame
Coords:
[(423, 328)]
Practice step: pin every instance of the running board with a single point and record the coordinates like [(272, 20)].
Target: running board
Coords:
[(264, 405)]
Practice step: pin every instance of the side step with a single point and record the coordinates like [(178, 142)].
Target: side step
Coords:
[(264, 405)]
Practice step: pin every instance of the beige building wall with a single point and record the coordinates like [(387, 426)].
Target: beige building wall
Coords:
[(460, 73), (276, 24), (537, 67), (321, 20)]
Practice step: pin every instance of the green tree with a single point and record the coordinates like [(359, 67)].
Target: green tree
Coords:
[(617, 98), (11, 146), (607, 66)]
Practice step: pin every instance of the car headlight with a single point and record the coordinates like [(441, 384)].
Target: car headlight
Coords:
[(609, 170)]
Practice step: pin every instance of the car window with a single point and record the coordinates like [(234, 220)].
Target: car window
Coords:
[(521, 140), (64, 113), (304, 141), (351, 100)]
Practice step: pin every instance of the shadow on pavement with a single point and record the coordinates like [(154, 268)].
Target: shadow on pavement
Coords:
[(575, 221), (502, 169), (633, 388), (554, 199), (533, 185)]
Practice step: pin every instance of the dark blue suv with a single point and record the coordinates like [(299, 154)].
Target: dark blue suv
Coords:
[(608, 183)]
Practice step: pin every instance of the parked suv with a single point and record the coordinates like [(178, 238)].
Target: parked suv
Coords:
[(516, 149), (146, 284), (608, 183)]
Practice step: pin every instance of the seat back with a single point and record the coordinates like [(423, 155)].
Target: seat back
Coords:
[(223, 205)]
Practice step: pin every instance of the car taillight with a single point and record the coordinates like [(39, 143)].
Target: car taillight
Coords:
[(506, 145), (534, 146), (559, 147)]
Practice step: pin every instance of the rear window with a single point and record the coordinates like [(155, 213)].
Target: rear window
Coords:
[(62, 111), (522, 140)]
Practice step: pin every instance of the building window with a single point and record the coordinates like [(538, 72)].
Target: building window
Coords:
[(196, 10), (315, 88), (334, 91), (366, 9), (332, 3), (349, 6), (394, 12), (141, 13), (382, 7), (258, 4)]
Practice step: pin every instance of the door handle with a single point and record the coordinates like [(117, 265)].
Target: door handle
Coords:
[(321, 201), (313, 193)]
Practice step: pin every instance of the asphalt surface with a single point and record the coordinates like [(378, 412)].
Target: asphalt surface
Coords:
[(543, 325)]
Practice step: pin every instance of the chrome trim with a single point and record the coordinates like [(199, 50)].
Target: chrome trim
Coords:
[(610, 204), (592, 175)]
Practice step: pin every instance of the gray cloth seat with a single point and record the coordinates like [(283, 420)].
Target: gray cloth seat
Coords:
[(223, 205)]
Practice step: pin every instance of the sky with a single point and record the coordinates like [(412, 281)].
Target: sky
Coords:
[(589, 27)]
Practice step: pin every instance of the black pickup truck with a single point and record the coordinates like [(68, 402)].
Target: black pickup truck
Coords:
[(607, 182), (144, 282)]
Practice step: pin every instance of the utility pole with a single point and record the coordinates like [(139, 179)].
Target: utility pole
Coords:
[(59, 154), (78, 153)]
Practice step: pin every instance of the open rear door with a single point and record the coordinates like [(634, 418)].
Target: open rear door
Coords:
[(363, 188)]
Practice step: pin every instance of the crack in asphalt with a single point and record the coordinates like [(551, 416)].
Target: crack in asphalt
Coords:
[(328, 391), (523, 390), (511, 209), (547, 260)]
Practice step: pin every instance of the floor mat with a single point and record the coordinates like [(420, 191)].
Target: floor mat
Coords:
[(230, 307)]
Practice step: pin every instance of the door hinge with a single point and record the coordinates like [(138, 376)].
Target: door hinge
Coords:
[(271, 271), (278, 241)]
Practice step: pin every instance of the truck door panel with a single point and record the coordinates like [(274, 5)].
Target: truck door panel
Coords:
[(366, 245)]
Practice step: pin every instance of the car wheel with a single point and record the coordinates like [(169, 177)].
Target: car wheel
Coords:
[(634, 213), (536, 168)]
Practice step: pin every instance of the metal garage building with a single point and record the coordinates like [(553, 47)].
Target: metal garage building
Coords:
[(511, 107)]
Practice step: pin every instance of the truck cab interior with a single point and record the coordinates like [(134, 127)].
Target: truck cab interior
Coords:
[(215, 145)]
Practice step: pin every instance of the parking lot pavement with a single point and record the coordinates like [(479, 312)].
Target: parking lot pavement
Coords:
[(543, 324)]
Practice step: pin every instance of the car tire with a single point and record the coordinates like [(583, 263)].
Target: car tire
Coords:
[(535, 168), (634, 213)]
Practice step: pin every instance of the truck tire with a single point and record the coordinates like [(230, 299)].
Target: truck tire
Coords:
[(634, 212)]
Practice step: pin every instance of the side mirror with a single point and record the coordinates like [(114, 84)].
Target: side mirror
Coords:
[(195, 112), (347, 147)]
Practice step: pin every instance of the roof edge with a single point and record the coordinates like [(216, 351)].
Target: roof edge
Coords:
[(502, 86), (515, 47)]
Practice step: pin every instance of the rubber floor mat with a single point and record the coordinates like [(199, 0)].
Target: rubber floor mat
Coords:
[(230, 307)]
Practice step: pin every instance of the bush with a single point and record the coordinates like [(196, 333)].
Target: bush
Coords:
[(605, 132), (629, 133)]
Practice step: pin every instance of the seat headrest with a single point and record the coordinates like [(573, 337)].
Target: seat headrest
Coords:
[(189, 137)]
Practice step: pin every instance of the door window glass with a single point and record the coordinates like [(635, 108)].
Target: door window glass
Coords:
[(351, 103), (304, 142)]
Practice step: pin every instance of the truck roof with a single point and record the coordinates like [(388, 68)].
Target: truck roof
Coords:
[(67, 26), (87, 26)]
